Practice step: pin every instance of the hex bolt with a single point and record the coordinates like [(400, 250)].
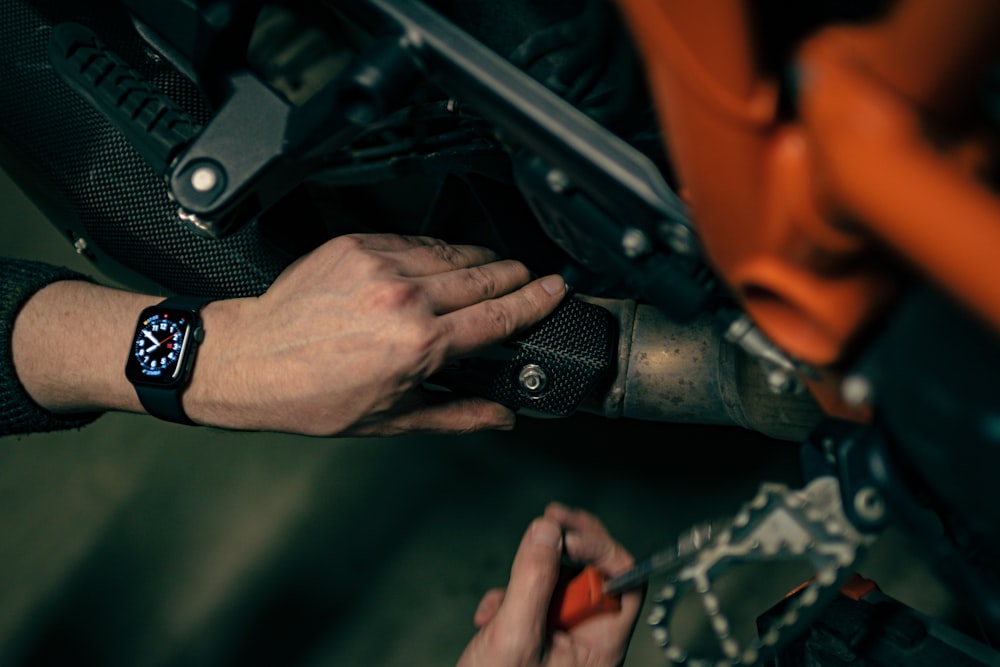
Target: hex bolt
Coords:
[(681, 239), (868, 504), (533, 378), (780, 381), (856, 391), (204, 178), (635, 243), (830, 450), (557, 180)]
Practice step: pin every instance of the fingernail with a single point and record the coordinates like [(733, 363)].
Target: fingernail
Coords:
[(554, 285), (506, 421), (546, 532)]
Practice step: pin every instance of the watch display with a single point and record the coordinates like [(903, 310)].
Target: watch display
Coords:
[(160, 346)]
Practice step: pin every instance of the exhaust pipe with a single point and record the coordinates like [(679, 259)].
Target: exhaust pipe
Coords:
[(688, 373)]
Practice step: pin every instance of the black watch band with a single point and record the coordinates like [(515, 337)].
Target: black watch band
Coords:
[(164, 400)]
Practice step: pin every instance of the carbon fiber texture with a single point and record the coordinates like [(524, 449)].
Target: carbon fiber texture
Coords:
[(90, 181), (576, 348), (572, 354)]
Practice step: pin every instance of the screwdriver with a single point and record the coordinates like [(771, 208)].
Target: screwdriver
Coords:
[(589, 593)]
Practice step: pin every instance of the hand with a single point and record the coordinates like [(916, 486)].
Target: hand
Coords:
[(512, 621), (343, 340)]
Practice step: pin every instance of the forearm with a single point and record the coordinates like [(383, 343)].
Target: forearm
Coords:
[(340, 344), (69, 343), (72, 338)]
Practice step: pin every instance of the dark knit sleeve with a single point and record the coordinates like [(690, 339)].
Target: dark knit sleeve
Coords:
[(19, 280)]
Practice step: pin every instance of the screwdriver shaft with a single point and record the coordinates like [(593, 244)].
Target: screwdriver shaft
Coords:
[(675, 556)]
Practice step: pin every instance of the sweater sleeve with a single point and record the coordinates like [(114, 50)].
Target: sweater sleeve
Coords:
[(19, 280)]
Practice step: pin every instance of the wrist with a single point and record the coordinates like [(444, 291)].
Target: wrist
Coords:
[(163, 352), (218, 393)]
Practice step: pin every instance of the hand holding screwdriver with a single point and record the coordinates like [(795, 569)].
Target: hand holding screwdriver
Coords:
[(514, 624), (591, 592)]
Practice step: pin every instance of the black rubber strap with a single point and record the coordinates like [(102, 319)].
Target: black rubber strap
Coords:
[(192, 303), (165, 402)]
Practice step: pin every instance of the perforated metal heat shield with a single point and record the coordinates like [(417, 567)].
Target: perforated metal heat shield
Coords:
[(89, 180)]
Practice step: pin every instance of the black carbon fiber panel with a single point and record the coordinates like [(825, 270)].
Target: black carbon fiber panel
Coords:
[(575, 348), (551, 369), (87, 178)]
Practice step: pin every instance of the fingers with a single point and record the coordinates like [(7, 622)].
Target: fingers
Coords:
[(448, 415), (493, 321), (418, 256), (452, 290), (533, 577), (588, 540), (488, 607), (562, 652), (512, 622), (455, 276), (487, 299)]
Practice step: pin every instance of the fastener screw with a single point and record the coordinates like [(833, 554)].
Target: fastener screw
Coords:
[(533, 378)]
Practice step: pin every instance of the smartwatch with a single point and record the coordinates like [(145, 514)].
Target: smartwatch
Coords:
[(164, 346)]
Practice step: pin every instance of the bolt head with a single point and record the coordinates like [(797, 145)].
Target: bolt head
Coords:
[(856, 391), (533, 379), (681, 239), (635, 243), (557, 180), (869, 505), (204, 178)]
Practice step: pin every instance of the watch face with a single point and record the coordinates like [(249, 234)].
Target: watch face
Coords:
[(159, 347)]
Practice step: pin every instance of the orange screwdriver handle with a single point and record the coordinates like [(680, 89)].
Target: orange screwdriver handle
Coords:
[(580, 599)]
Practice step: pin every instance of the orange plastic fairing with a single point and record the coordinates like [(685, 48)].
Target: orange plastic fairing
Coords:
[(810, 218)]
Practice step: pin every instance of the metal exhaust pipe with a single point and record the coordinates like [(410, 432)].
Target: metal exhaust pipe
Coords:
[(688, 373)]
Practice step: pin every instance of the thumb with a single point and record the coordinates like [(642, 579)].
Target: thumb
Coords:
[(533, 577)]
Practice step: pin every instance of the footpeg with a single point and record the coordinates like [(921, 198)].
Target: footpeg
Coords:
[(156, 126)]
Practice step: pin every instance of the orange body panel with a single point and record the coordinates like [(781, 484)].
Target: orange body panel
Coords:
[(809, 219)]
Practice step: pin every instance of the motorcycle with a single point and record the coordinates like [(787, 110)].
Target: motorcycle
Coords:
[(745, 200)]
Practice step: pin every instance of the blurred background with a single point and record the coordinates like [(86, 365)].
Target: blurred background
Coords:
[(137, 542)]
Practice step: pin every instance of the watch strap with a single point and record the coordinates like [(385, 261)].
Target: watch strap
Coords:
[(165, 402), (184, 302)]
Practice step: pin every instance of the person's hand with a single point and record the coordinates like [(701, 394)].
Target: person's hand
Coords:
[(512, 622), (340, 344), (345, 337)]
